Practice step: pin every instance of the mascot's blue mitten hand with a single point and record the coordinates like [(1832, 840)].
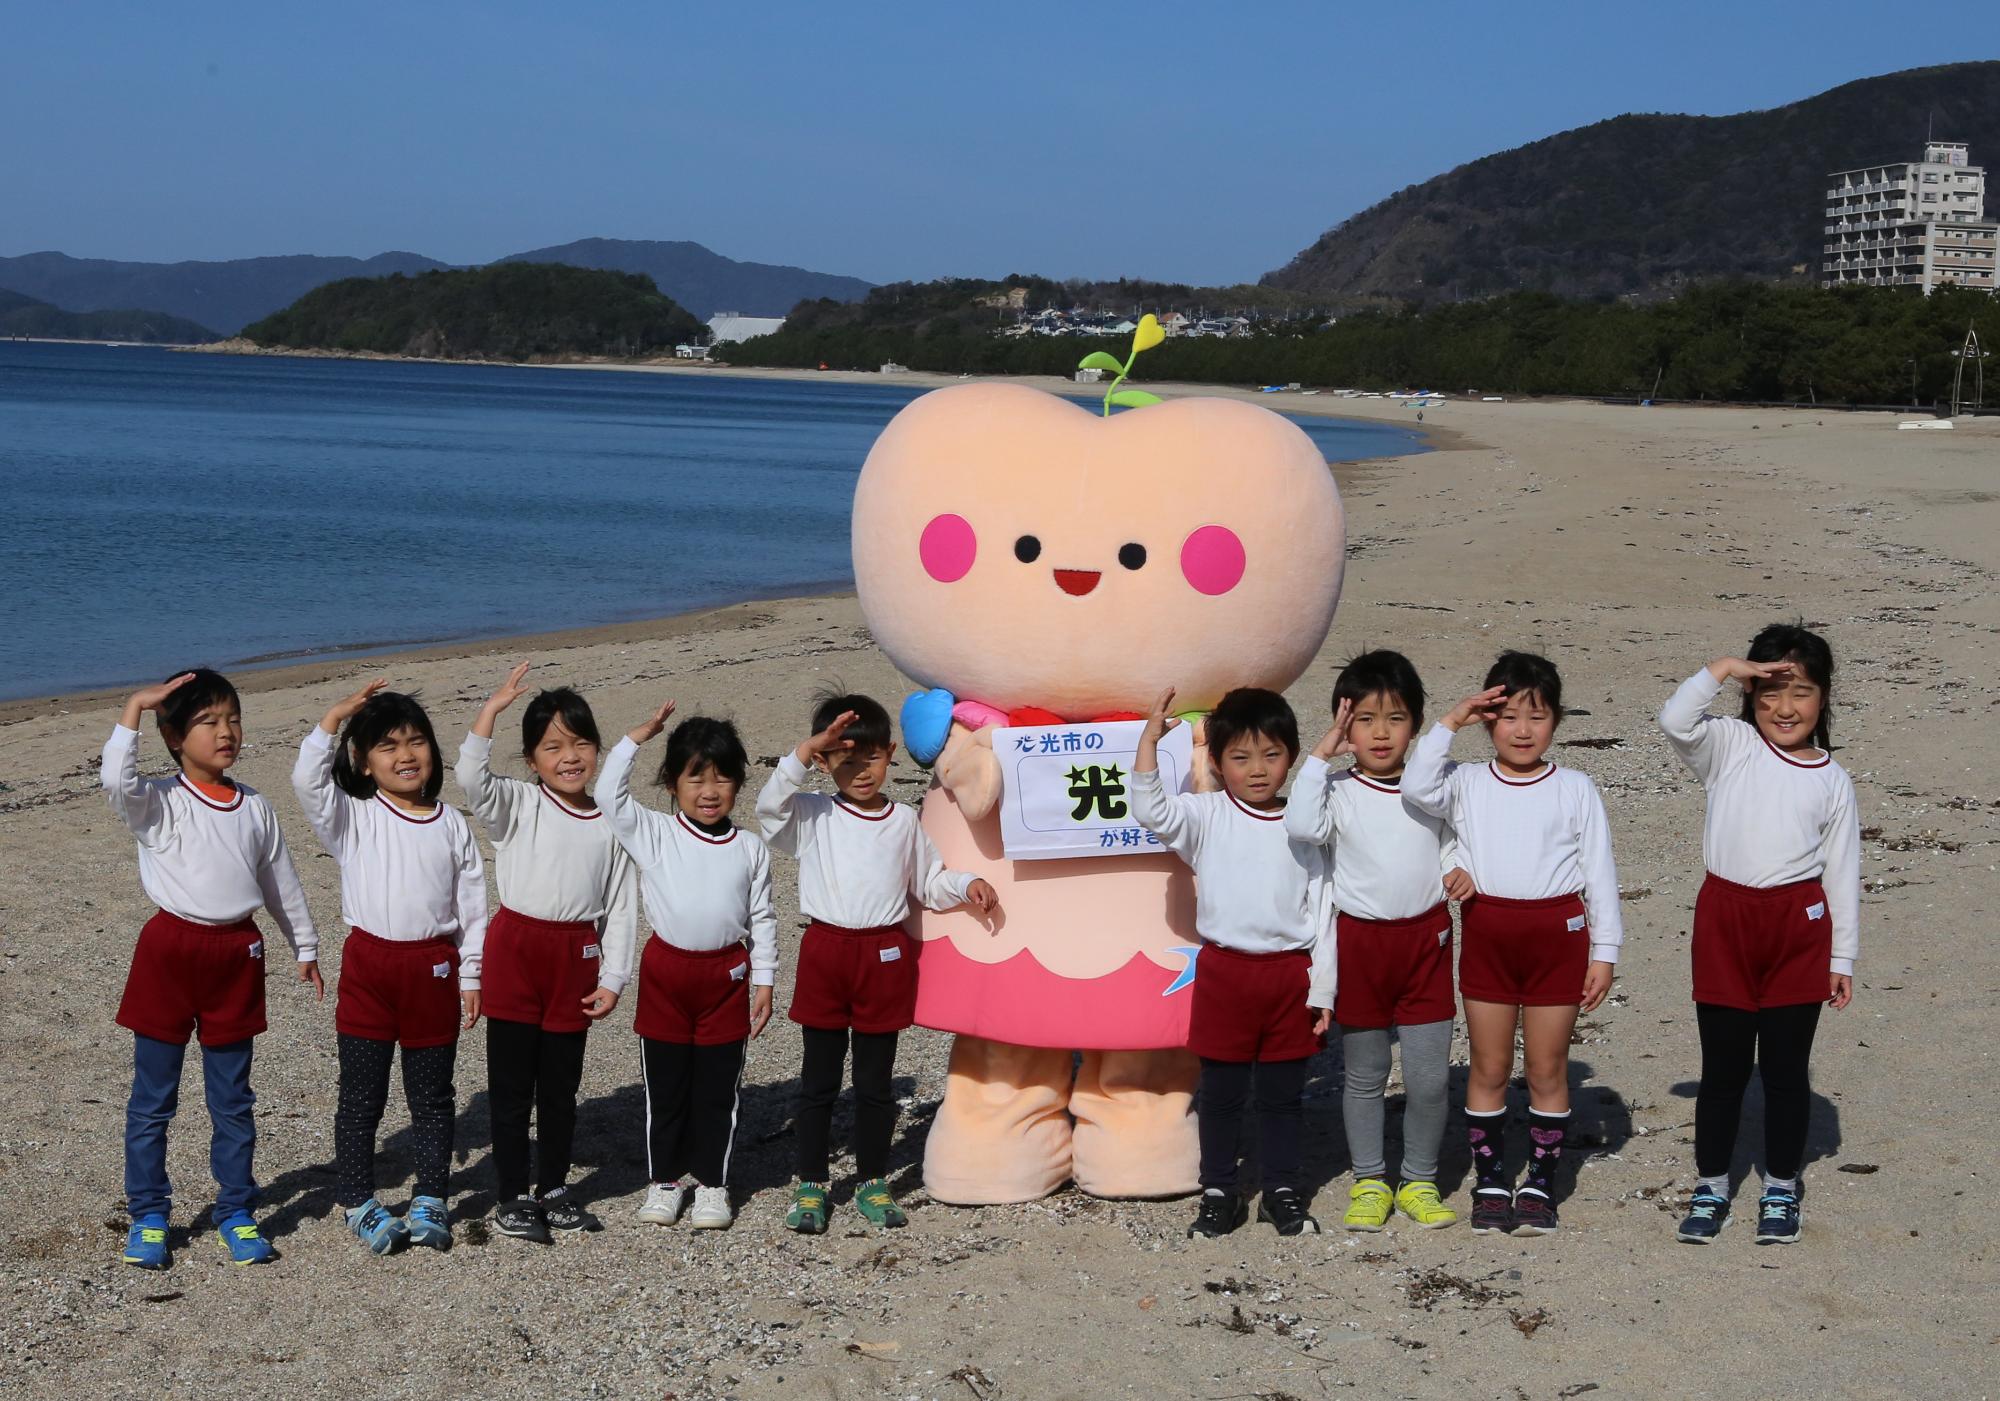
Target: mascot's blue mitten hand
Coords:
[(926, 724)]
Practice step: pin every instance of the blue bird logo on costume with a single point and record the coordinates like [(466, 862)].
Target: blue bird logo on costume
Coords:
[(1187, 953), (926, 721)]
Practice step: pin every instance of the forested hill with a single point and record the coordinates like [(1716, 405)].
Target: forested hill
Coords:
[(505, 311), (25, 316), (1645, 204)]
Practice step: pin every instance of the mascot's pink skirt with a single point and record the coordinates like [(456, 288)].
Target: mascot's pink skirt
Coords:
[(1024, 1004)]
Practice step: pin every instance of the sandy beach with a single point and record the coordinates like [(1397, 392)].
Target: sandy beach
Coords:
[(1629, 544)]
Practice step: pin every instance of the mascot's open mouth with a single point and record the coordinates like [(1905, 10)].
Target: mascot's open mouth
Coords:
[(1078, 581)]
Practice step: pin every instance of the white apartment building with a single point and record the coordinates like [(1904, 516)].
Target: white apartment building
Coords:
[(1914, 224)]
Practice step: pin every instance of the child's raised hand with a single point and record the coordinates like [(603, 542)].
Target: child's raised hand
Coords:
[(1840, 991), (1161, 718), (509, 690), (151, 698), (1736, 669), (639, 734), (1335, 741), (760, 1009), (309, 973), (598, 1005), (1596, 985), (828, 740), (982, 897), (344, 710), (1480, 706)]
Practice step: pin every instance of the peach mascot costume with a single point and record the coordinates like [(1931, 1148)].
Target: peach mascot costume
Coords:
[(1035, 563)]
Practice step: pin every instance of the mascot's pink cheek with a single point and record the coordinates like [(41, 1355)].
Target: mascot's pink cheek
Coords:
[(948, 548), (1212, 559)]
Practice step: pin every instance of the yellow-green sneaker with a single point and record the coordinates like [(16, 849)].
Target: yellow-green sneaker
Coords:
[(877, 1206), (1368, 1205), (1419, 1201)]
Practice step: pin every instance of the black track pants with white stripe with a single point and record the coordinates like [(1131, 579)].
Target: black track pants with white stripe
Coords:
[(691, 1103)]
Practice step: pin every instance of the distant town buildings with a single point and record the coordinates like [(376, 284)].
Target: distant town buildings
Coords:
[(1913, 224)]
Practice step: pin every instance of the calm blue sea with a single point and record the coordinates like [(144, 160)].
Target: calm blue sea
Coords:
[(168, 508)]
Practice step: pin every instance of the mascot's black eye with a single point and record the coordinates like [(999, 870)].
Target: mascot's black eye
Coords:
[(1132, 556), (1027, 549)]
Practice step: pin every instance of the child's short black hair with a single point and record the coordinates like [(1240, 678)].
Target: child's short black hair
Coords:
[(562, 704), (701, 741), (384, 713), (1381, 673), (178, 710), (1810, 653), (1523, 672), (870, 729), (1249, 710)]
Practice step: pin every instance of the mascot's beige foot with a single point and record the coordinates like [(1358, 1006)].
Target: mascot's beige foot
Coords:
[(1002, 1133), (1135, 1126)]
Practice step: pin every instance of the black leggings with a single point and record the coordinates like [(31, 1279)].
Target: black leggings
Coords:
[(1778, 1040), (691, 1097), (364, 1093), (874, 1101), (532, 1071), (1280, 1097)]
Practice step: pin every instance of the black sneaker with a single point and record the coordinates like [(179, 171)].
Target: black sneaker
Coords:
[(1778, 1217), (1492, 1210), (522, 1219), (1707, 1215), (564, 1212), (1286, 1210), (1220, 1213), (1534, 1214)]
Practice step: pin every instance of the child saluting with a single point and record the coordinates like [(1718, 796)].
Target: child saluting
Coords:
[(862, 859), (1264, 985), (210, 853), (1541, 935)]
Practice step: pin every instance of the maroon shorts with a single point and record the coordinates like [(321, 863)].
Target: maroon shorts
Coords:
[(1252, 1006), (693, 999), (398, 990), (1529, 953), (1395, 972), (539, 971), (863, 979), (188, 977), (1761, 948)]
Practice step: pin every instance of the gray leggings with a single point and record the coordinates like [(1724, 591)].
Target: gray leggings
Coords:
[(1426, 1066)]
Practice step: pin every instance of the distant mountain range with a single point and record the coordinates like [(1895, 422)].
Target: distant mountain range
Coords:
[(230, 295), (1643, 205), (24, 316)]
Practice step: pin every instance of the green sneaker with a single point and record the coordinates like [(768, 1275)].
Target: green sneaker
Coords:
[(808, 1213), (873, 1201), (1369, 1203), (1420, 1202)]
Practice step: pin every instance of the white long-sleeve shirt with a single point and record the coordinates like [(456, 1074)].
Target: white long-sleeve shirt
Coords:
[(858, 868), (402, 877), (702, 892), (1389, 858), (1524, 838), (208, 862), (1772, 819), (553, 861), (1257, 888)]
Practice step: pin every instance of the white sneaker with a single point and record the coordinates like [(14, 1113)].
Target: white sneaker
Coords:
[(664, 1201), (711, 1209)]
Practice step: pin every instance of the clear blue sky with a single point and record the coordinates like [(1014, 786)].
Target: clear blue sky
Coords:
[(1197, 142)]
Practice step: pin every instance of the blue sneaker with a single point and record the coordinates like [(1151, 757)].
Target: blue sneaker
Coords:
[(1707, 1215), (1777, 1217), (378, 1230), (428, 1221), (244, 1242), (146, 1242)]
